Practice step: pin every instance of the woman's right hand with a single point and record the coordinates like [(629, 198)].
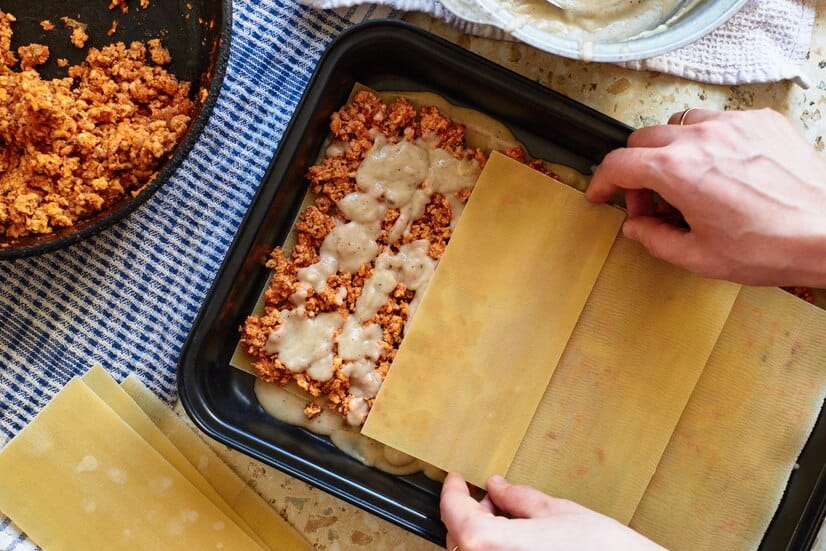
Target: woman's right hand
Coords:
[(751, 189)]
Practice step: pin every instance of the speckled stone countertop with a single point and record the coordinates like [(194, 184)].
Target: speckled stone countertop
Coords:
[(636, 98)]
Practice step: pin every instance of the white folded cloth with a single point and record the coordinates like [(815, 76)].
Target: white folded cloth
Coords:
[(766, 41)]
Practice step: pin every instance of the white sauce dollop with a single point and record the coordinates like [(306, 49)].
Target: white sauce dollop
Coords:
[(357, 341), (306, 344), (393, 171)]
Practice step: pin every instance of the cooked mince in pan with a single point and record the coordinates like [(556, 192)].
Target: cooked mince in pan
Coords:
[(72, 147)]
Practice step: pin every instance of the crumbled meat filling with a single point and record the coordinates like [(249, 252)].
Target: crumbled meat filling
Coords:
[(72, 147), (519, 154), (123, 5), (804, 293), (157, 53), (32, 55), (312, 410), (119, 4), (78, 37), (7, 57), (433, 226)]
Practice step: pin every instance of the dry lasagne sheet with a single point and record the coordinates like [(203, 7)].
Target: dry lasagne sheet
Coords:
[(475, 361)]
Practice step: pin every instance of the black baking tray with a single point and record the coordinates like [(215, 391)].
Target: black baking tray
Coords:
[(388, 55)]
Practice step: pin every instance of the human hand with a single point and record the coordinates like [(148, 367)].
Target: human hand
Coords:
[(750, 187), (520, 518)]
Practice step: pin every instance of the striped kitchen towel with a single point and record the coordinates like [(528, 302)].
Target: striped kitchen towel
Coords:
[(127, 297)]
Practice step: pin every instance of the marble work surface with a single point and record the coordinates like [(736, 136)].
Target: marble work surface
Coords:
[(636, 98)]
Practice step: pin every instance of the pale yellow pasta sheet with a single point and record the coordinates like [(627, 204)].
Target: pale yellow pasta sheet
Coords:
[(493, 322)]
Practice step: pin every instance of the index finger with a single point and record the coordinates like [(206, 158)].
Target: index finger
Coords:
[(629, 168), (456, 503)]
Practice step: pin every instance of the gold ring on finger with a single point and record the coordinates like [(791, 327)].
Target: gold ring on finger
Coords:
[(685, 114)]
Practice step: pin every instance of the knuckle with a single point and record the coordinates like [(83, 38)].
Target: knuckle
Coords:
[(643, 236), (778, 120), (758, 121), (729, 114), (471, 526), (708, 129), (684, 163), (664, 160)]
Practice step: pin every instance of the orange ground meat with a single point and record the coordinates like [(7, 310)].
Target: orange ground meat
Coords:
[(78, 37), (32, 55), (72, 147), (123, 5)]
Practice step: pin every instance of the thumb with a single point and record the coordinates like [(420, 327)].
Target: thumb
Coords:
[(664, 241), (518, 501)]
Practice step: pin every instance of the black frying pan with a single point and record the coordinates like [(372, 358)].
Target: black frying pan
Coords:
[(197, 34)]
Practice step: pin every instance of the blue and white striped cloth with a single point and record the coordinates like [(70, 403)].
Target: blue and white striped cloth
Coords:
[(127, 297)]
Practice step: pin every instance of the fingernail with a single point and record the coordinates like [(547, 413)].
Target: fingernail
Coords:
[(498, 480), (629, 230)]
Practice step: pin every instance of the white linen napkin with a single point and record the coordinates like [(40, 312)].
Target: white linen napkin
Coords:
[(766, 41)]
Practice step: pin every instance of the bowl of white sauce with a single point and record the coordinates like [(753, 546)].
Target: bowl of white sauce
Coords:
[(603, 30)]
